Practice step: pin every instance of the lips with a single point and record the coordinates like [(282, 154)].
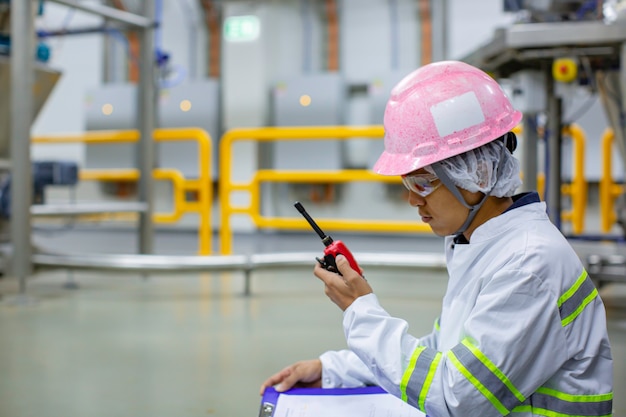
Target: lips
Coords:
[(425, 218)]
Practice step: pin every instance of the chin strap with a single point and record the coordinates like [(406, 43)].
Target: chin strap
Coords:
[(473, 209)]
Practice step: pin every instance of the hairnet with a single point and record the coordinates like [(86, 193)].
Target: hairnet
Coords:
[(477, 170)]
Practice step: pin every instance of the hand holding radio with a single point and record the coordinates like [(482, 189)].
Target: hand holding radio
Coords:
[(344, 287), (333, 247), (341, 288)]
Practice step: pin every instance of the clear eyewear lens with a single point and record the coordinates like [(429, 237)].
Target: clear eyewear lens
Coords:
[(420, 185)]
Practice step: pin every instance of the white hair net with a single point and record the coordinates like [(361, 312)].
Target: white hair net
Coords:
[(477, 170)]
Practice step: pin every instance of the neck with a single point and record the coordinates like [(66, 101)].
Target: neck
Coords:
[(493, 207)]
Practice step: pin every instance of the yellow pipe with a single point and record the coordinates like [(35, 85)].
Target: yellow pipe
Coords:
[(293, 133), (577, 190), (108, 174), (93, 137), (301, 132), (202, 186), (178, 183), (334, 224), (608, 190)]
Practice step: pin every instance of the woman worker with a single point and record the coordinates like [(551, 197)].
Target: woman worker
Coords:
[(522, 329)]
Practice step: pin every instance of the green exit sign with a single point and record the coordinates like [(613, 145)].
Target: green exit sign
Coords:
[(242, 28)]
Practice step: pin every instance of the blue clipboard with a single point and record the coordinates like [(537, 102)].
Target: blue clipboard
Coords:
[(271, 396)]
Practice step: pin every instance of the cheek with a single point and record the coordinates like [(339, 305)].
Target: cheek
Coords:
[(448, 216), (471, 198)]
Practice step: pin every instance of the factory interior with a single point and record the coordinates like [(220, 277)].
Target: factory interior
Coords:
[(152, 263)]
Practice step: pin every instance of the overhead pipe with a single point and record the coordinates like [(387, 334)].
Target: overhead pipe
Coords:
[(213, 20), (76, 31), (333, 35), (426, 32), (133, 47), (120, 16)]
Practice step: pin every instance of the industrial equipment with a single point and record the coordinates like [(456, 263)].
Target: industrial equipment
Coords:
[(534, 11), (194, 103), (45, 173), (45, 80), (311, 100), (561, 33)]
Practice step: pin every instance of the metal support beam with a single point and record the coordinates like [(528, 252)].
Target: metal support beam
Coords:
[(529, 148), (110, 13), (181, 264), (621, 121), (555, 155), (22, 111), (147, 93)]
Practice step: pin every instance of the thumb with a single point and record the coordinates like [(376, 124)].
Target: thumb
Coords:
[(343, 265)]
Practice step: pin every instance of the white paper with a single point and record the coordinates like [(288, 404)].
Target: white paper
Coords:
[(363, 405)]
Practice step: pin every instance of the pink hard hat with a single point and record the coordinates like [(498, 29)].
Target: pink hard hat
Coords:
[(441, 110)]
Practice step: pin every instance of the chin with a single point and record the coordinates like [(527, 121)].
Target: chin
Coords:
[(439, 232)]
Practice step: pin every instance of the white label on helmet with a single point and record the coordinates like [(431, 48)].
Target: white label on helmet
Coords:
[(457, 113)]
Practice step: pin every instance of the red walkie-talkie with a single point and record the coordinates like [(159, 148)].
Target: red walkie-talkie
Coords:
[(332, 249)]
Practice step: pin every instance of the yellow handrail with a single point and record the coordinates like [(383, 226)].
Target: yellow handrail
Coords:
[(608, 189), (577, 190), (202, 186), (227, 186)]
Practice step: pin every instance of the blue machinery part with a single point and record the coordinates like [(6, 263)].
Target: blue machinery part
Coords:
[(45, 173)]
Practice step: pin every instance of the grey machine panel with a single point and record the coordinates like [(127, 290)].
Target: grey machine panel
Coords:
[(194, 104), (379, 90), (526, 45), (327, 94)]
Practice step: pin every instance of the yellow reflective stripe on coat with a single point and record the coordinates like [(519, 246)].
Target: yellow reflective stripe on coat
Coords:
[(488, 379), (552, 403), (575, 299), (419, 376)]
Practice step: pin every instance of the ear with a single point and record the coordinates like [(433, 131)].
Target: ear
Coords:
[(510, 141)]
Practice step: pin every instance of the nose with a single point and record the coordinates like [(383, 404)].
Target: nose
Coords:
[(416, 200)]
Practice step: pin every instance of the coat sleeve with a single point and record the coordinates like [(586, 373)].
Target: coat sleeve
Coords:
[(345, 369), (512, 343)]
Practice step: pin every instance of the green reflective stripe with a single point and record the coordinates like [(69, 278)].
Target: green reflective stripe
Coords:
[(552, 403), (428, 382), (437, 328), (574, 301), (486, 377), (419, 375), (575, 398), (479, 386), (409, 371), (571, 291), (494, 369)]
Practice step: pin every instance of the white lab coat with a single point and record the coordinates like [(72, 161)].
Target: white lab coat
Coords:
[(504, 296)]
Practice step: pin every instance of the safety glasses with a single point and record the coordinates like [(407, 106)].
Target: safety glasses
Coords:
[(420, 184)]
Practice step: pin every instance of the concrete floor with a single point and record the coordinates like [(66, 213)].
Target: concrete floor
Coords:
[(191, 344)]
